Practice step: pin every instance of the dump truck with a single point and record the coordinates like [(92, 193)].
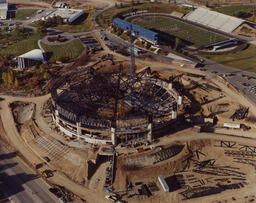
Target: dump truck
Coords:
[(47, 173)]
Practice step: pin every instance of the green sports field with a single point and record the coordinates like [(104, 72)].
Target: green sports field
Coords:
[(244, 60), (234, 10), (22, 14), (198, 37)]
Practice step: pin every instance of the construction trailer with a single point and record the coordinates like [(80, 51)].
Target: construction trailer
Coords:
[(163, 183), (3, 9), (232, 125)]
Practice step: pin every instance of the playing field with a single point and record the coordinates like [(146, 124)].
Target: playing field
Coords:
[(197, 36), (234, 10), (105, 18), (244, 60), (23, 14)]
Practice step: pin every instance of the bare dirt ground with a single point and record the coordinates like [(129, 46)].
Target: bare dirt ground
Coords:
[(73, 164), (188, 174)]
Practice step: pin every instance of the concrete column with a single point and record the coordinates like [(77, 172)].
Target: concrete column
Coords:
[(78, 129), (57, 116), (174, 114), (170, 86), (150, 135), (113, 136), (180, 100)]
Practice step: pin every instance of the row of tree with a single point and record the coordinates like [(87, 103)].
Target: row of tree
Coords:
[(9, 79)]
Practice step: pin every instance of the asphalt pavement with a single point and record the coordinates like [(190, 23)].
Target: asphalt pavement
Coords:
[(18, 183)]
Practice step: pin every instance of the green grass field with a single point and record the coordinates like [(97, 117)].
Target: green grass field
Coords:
[(234, 10), (179, 29), (21, 46), (105, 19), (244, 60), (22, 14), (71, 50)]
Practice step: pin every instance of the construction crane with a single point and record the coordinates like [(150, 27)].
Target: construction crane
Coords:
[(132, 67)]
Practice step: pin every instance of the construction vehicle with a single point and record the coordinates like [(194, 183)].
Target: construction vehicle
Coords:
[(46, 158), (141, 149), (47, 173), (68, 138), (236, 126)]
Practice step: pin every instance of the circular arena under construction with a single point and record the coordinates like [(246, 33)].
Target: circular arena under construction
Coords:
[(113, 108)]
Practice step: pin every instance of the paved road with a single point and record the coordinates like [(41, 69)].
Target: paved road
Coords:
[(238, 78), (19, 183)]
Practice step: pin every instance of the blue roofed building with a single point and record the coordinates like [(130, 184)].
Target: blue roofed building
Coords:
[(138, 31)]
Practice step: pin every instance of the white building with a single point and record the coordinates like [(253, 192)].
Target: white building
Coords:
[(67, 15), (215, 20), (61, 4), (3, 9), (31, 58)]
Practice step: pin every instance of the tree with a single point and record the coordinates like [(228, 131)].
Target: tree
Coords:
[(10, 77), (177, 43), (207, 4), (33, 82), (4, 78), (16, 83), (43, 67), (46, 76), (41, 30)]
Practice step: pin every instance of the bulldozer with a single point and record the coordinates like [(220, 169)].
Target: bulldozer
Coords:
[(47, 173)]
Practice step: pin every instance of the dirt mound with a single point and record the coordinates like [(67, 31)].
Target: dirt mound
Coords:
[(22, 111)]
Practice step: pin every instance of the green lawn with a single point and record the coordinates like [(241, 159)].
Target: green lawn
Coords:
[(22, 14), (71, 50), (105, 18), (184, 31), (244, 60), (234, 10), (21, 46)]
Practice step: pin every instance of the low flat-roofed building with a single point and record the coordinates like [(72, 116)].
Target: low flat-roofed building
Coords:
[(3, 9), (138, 31), (67, 15), (31, 58)]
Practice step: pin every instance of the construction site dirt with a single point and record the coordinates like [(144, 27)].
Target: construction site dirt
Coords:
[(200, 165)]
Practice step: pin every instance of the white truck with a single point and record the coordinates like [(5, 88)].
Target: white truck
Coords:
[(232, 125), (236, 126)]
